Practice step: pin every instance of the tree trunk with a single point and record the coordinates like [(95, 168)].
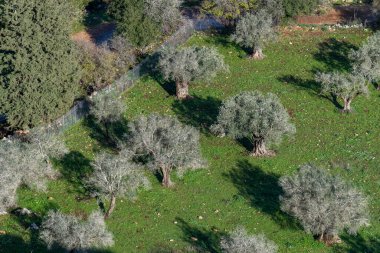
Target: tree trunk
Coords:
[(378, 87), (329, 239), (111, 208), (182, 90), (257, 54), (166, 182), (347, 105), (259, 148)]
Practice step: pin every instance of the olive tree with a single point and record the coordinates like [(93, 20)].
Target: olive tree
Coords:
[(116, 176), (254, 31), (26, 162), (164, 145), (240, 242), (273, 7), (366, 60), (188, 64), (260, 118), (73, 234), (107, 107), (344, 86), (324, 204)]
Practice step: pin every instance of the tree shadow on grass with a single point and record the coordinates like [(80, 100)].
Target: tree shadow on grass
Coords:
[(203, 240), (74, 168), (354, 244), (334, 54), (311, 86), (110, 139), (198, 112), (262, 190)]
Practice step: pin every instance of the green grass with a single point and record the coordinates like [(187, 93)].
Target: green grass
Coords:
[(235, 189)]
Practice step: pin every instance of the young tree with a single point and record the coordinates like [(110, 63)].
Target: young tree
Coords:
[(255, 31), (39, 70), (324, 204), (240, 242), (165, 12), (107, 107), (73, 234), (344, 86), (164, 144), (116, 176), (228, 10), (260, 118), (366, 60), (188, 64)]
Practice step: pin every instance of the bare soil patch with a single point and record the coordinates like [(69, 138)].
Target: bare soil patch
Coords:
[(340, 15)]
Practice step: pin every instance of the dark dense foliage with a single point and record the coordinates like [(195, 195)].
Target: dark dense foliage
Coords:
[(39, 70)]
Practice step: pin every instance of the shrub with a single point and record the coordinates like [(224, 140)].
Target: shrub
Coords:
[(143, 22), (164, 144), (98, 64), (240, 242), (188, 64), (344, 86), (260, 118), (73, 234), (255, 31), (39, 69), (366, 60), (297, 7), (324, 204), (116, 176), (228, 10)]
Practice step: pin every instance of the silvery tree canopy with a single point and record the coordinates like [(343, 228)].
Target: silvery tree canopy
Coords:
[(260, 118), (254, 31), (324, 204), (366, 60), (240, 242), (116, 176), (185, 65), (344, 86), (164, 144), (73, 234)]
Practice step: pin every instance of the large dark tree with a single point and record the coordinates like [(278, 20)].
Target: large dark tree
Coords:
[(39, 71)]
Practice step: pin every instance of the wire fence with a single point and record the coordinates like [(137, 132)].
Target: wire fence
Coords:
[(81, 108)]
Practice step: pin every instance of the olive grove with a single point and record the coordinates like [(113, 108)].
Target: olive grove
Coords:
[(260, 118), (164, 145), (324, 204), (186, 65)]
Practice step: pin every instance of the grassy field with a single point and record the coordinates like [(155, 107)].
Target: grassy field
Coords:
[(235, 189)]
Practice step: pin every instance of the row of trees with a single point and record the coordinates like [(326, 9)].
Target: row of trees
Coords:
[(324, 205)]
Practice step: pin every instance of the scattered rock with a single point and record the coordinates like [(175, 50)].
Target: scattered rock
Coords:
[(194, 238), (200, 217), (2, 232), (34, 226)]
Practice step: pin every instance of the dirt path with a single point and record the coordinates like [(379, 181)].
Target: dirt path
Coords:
[(341, 15), (96, 35)]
